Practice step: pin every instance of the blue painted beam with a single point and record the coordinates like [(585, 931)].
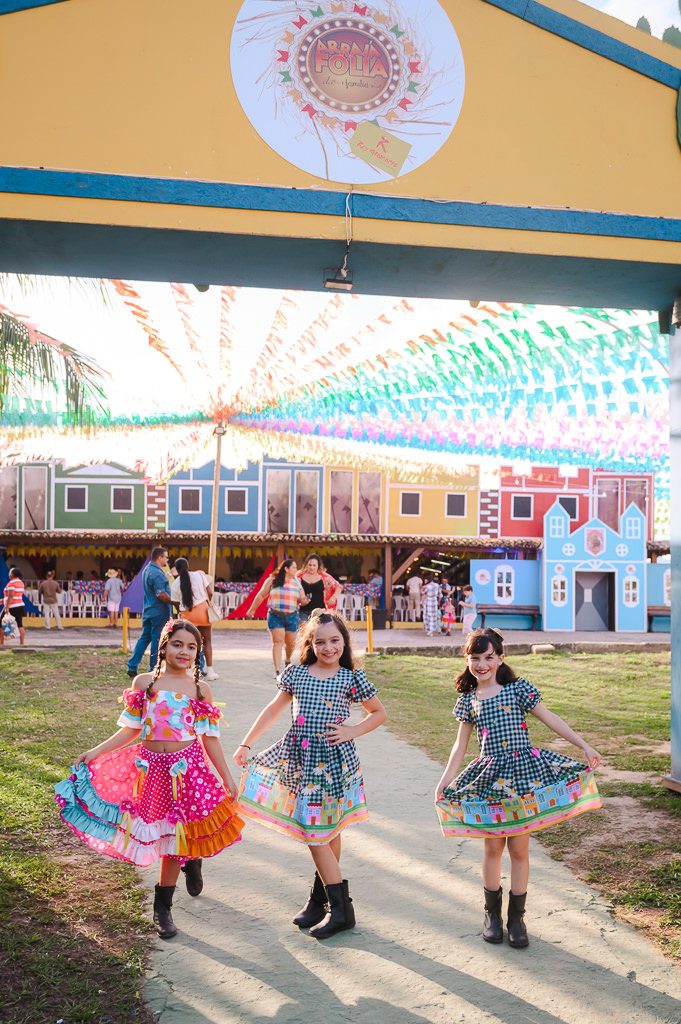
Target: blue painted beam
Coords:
[(150, 254), (591, 39), (225, 195), (10, 6)]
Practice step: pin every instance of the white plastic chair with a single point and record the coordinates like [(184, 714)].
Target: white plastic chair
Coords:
[(399, 609), (357, 611)]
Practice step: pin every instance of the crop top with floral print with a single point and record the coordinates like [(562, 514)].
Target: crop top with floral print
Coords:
[(166, 715)]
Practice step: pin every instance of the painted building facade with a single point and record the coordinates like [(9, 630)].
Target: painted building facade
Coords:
[(279, 497), (586, 578)]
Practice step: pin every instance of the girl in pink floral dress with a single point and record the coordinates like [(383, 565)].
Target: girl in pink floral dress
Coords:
[(158, 799)]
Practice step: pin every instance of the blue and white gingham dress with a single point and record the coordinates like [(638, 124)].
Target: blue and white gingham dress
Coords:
[(512, 786), (301, 785)]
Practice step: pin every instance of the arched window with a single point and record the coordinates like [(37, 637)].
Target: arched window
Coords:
[(559, 591), (631, 591), (504, 585)]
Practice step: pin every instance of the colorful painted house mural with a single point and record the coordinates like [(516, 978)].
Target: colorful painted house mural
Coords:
[(594, 577), (190, 499), (589, 577)]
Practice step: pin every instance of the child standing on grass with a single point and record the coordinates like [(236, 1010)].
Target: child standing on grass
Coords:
[(158, 799), (309, 784), (512, 788)]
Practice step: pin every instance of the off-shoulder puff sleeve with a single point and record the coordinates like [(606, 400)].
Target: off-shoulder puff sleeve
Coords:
[(527, 694), (206, 718), (131, 715), (285, 680), (360, 687), (463, 709)]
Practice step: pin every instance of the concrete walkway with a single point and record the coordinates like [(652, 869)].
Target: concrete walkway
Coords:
[(416, 954)]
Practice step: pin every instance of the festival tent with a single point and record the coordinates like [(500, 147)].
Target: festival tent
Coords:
[(421, 389)]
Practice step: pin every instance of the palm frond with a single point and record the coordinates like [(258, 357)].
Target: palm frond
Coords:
[(31, 362)]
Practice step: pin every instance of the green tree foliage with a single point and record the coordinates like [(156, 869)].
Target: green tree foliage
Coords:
[(672, 35), (33, 364), (644, 24)]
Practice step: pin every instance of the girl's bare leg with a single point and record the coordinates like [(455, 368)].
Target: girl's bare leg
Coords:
[(170, 871), (491, 862), (277, 647), (519, 851), (326, 859)]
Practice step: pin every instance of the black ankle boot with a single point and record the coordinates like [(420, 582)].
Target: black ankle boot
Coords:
[(163, 919), (341, 913), (315, 909), (492, 929), (517, 932), (193, 877)]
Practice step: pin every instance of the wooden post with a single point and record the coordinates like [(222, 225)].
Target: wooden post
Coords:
[(388, 576), (213, 549), (370, 629), (126, 624)]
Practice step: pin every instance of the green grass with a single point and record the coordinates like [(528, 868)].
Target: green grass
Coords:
[(75, 937), (619, 703)]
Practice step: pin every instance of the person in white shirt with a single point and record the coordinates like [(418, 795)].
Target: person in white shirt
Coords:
[(192, 591), (414, 588)]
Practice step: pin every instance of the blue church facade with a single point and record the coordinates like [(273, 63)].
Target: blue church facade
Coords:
[(591, 579)]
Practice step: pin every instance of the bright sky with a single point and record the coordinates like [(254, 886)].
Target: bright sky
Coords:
[(660, 13)]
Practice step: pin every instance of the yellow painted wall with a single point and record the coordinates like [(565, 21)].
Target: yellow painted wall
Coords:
[(432, 521), (145, 89)]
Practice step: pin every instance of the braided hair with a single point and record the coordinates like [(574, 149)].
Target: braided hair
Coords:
[(171, 627)]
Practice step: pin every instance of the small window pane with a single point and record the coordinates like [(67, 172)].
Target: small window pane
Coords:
[(522, 506), (121, 499), (410, 503), (76, 499), (236, 499), (569, 503), (456, 505), (190, 499)]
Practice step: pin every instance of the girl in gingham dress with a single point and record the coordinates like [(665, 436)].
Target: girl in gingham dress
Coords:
[(512, 788), (309, 785)]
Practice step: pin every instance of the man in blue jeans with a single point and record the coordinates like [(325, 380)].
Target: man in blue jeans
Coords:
[(156, 611)]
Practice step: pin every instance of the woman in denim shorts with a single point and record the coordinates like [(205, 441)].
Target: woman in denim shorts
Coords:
[(284, 595)]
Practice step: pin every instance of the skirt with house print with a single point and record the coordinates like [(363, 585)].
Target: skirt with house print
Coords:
[(512, 787), (303, 786)]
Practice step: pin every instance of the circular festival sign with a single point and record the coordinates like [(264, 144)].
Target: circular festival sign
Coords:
[(349, 92)]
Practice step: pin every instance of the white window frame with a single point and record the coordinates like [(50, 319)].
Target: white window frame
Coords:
[(130, 490), (571, 497), (75, 487), (410, 515), (524, 519), (559, 591), (631, 591), (504, 577), (632, 529), (667, 587), (231, 511), (456, 494), (190, 512), (557, 527)]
